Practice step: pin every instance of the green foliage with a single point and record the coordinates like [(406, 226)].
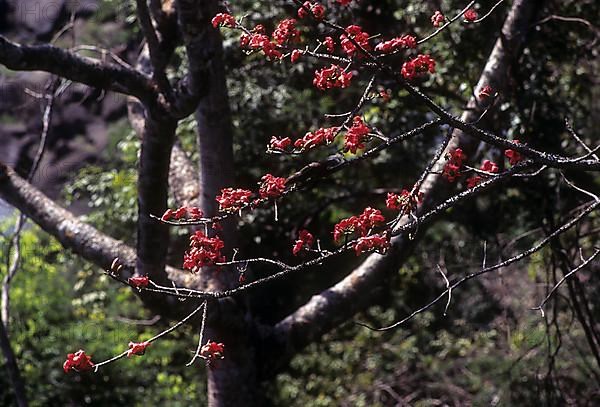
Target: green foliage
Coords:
[(490, 349), (60, 305)]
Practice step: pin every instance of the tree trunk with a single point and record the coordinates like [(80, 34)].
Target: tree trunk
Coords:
[(232, 381)]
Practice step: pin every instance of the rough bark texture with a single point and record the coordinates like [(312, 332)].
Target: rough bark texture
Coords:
[(338, 303)]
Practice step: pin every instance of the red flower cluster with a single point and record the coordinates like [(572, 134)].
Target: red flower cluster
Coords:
[(189, 213), (379, 243), (232, 200), (203, 251), (271, 186), (286, 31), (322, 136), (138, 281), (452, 168), (305, 241), (486, 92), (513, 156), (405, 41), (418, 67), (361, 224), (437, 19), (405, 202), (473, 181), (486, 166), (137, 348), (223, 19), (279, 144), (78, 361), (296, 54), (471, 15), (258, 40), (212, 350), (356, 136), (317, 10), (329, 44), (332, 77), (359, 36), (489, 166)]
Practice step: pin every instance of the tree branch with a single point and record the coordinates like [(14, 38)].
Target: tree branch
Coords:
[(203, 48), (355, 292), (83, 239), (76, 68)]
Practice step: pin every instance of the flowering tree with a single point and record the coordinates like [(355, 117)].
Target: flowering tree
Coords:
[(211, 285)]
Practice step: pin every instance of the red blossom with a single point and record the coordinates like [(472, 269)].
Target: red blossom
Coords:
[(180, 213), (457, 156), (232, 200), (279, 144), (138, 281), (489, 166), (204, 251), (418, 67), (345, 227), (185, 212), (344, 2), (514, 157), (244, 40), (471, 15), (137, 348), (195, 213), (452, 168), (329, 44), (168, 214), (486, 92), (356, 136), (437, 19), (322, 136), (379, 243), (451, 171), (296, 54), (78, 361), (259, 29), (332, 77), (360, 37), (361, 224), (286, 31), (405, 41), (212, 350), (261, 41), (271, 186), (473, 181), (403, 202), (305, 241), (317, 10), (223, 19)]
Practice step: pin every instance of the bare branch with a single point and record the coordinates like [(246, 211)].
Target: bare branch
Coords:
[(353, 293), (71, 66), (72, 233), (564, 278)]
